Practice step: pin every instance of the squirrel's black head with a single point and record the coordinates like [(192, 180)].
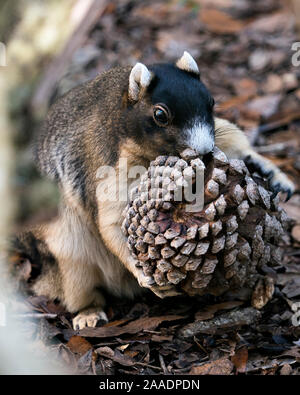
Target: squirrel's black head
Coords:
[(169, 108)]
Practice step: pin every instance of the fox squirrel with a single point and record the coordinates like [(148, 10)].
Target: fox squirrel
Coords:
[(134, 113)]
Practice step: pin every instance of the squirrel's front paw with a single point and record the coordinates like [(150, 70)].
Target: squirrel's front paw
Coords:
[(149, 283), (89, 317), (143, 280), (279, 182)]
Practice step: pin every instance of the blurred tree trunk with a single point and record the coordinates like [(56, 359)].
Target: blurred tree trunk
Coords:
[(9, 16), (32, 31), (7, 201)]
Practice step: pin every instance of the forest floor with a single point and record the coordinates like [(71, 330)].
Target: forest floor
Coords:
[(244, 53)]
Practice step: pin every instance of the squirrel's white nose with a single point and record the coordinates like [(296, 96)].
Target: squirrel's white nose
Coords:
[(200, 137)]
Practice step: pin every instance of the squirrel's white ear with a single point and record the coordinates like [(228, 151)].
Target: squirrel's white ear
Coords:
[(139, 79), (187, 63)]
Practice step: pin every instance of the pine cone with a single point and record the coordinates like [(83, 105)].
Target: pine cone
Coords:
[(226, 245)]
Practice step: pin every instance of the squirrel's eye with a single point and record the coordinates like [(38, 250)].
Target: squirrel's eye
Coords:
[(161, 115)]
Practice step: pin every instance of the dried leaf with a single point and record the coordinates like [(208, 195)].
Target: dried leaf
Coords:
[(115, 356), (222, 366), (117, 322), (210, 311), (296, 233), (293, 352), (161, 338), (79, 345), (147, 323), (264, 106), (268, 24), (240, 359), (230, 319), (219, 22), (131, 354)]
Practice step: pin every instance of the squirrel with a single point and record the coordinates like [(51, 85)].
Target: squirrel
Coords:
[(133, 113)]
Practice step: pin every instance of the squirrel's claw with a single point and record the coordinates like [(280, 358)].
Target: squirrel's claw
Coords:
[(278, 181), (282, 184), (143, 280), (149, 283)]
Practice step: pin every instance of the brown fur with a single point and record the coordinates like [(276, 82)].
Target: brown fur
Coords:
[(87, 129)]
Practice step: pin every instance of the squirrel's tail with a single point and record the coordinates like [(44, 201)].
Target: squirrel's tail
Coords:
[(29, 256)]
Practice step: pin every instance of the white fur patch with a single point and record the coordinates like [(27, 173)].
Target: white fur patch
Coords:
[(200, 138), (187, 63), (140, 78)]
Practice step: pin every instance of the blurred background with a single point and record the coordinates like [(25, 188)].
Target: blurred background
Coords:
[(243, 48)]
